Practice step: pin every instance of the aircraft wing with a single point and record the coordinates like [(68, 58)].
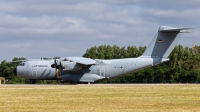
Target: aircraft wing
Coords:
[(82, 60)]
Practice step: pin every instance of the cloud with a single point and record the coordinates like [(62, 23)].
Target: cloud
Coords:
[(47, 28), (42, 24), (10, 7)]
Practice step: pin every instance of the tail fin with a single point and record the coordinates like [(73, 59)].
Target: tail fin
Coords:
[(164, 42)]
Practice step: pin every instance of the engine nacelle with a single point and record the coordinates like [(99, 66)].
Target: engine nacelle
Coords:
[(67, 65)]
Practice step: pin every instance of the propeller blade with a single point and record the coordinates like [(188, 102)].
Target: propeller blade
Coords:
[(57, 73), (57, 66)]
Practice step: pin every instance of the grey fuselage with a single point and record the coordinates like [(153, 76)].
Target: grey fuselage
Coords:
[(41, 69)]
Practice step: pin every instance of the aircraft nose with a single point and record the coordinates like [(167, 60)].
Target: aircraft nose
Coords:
[(15, 71)]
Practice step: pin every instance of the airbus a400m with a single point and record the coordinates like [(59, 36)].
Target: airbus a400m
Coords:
[(80, 69)]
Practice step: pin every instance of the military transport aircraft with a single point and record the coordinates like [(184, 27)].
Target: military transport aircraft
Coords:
[(80, 69)]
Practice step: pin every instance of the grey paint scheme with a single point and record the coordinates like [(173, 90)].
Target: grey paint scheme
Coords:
[(90, 70)]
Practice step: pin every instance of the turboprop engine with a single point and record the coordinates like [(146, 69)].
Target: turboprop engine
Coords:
[(67, 65)]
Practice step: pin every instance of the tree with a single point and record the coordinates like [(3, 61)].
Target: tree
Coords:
[(108, 52), (91, 53), (116, 52), (182, 67), (101, 51), (6, 70)]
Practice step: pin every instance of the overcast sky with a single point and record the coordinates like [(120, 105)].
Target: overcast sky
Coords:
[(48, 28)]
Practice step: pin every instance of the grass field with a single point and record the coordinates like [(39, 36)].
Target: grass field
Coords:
[(100, 98)]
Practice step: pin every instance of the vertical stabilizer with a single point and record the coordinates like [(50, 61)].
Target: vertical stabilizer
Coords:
[(164, 42)]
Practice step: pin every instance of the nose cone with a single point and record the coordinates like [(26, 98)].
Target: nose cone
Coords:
[(15, 71)]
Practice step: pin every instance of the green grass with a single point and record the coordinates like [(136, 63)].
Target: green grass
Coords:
[(84, 98)]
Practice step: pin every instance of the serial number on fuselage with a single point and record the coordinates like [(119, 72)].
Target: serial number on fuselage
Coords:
[(39, 65)]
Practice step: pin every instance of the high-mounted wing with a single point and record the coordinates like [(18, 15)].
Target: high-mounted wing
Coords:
[(82, 60), (76, 63)]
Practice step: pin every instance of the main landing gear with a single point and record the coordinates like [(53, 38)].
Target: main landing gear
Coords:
[(32, 81)]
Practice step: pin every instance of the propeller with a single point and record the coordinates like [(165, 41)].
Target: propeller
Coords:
[(61, 64), (57, 65), (56, 68)]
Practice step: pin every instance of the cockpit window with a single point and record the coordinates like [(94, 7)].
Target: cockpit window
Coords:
[(22, 64)]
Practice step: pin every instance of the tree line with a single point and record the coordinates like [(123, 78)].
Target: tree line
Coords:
[(183, 66)]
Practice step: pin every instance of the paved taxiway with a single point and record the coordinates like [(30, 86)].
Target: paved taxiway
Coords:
[(97, 84)]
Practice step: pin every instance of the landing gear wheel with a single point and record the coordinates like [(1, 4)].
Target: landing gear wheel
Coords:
[(32, 81)]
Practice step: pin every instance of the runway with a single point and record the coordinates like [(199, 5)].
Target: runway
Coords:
[(181, 84)]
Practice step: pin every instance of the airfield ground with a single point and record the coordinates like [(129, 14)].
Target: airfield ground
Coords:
[(100, 98)]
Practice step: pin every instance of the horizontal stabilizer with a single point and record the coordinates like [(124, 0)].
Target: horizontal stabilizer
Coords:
[(82, 60), (171, 29)]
